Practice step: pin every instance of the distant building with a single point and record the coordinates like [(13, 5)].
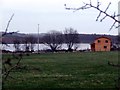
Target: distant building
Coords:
[(101, 44)]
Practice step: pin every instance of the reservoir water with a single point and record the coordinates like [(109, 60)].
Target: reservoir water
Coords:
[(10, 47)]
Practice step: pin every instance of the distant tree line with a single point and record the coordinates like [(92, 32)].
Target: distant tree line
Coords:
[(53, 39)]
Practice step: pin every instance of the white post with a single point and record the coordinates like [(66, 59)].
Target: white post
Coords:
[(38, 38)]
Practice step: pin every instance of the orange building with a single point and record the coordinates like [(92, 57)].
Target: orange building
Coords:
[(101, 44)]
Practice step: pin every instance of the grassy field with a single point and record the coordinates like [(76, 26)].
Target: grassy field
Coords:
[(65, 70)]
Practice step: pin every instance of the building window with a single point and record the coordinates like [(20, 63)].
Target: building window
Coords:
[(106, 41), (98, 41), (105, 47)]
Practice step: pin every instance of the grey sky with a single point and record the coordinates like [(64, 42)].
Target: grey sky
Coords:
[(51, 15)]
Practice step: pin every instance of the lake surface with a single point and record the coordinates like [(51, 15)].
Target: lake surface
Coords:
[(10, 47)]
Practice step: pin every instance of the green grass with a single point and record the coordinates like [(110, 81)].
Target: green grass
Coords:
[(65, 70)]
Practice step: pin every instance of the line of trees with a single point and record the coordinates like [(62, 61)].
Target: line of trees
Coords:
[(28, 43), (53, 39)]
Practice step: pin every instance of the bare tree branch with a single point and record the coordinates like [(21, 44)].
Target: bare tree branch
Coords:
[(98, 4), (8, 25), (117, 26), (107, 7), (112, 26), (98, 16), (103, 18), (104, 12), (7, 71)]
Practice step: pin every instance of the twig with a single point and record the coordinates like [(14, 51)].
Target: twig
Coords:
[(90, 5), (8, 25), (7, 72)]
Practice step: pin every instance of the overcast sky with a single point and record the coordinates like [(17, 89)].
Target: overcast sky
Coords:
[(52, 15)]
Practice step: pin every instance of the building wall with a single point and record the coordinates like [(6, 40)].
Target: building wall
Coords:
[(102, 44)]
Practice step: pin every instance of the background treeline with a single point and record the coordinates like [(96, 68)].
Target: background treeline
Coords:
[(53, 39), (84, 38)]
